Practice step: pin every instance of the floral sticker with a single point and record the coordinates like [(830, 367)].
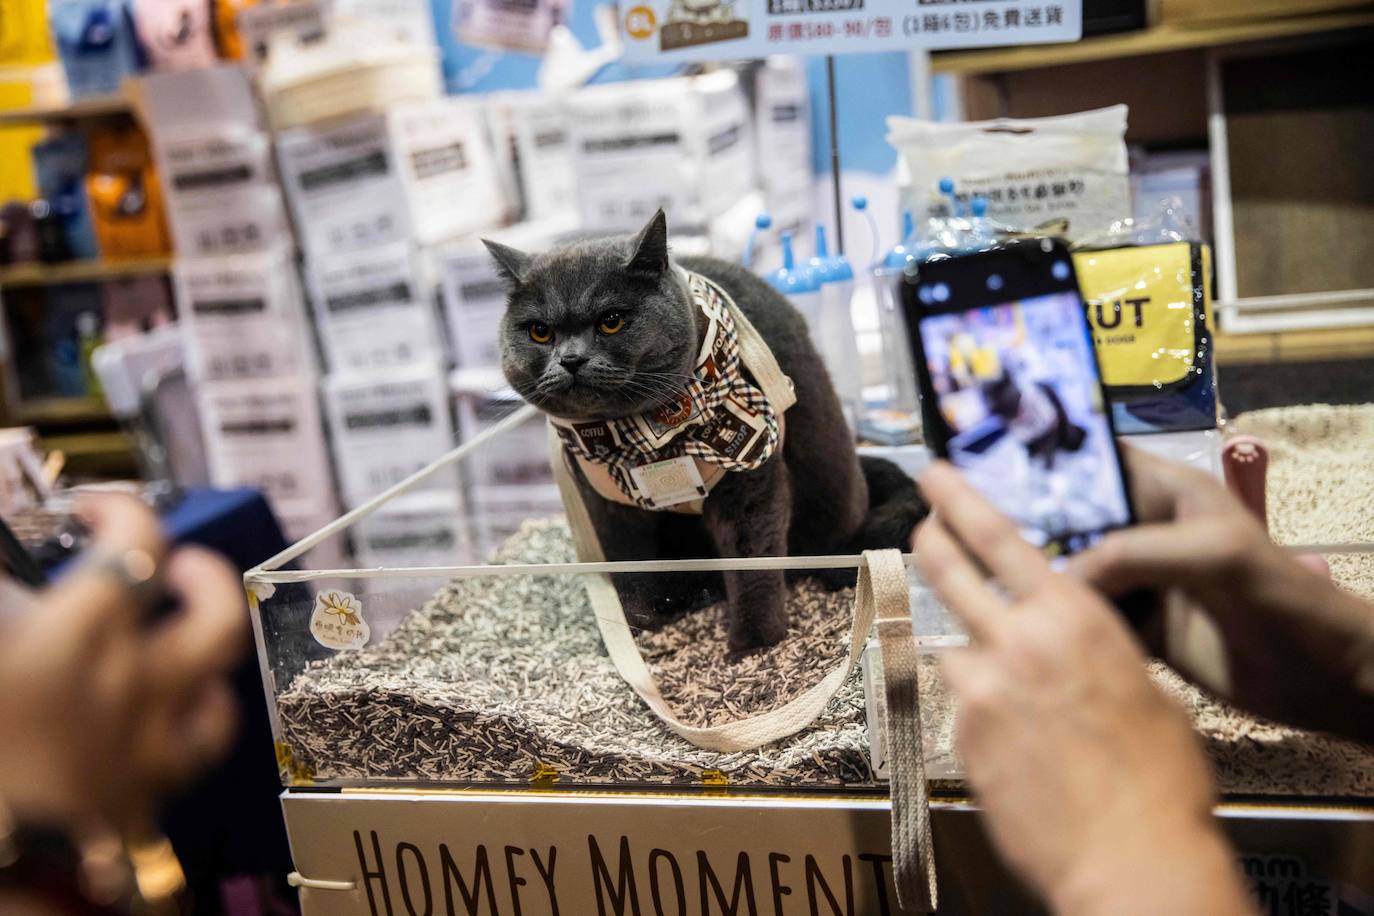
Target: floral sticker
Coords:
[(337, 621)]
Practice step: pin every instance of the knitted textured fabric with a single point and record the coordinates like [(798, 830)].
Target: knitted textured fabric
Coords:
[(721, 418)]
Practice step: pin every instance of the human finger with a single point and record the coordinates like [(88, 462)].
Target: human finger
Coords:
[(987, 534), (1158, 556), (956, 580), (1159, 485), (209, 633), (120, 522)]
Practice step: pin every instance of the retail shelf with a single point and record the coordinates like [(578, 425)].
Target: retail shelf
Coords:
[(81, 271), (1154, 40), (1295, 346), (104, 449), (92, 107), (49, 411)]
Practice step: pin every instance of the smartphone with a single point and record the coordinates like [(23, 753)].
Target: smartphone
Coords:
[(1011, 392)]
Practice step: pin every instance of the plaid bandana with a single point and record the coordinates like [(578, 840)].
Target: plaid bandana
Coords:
[(719, 419)]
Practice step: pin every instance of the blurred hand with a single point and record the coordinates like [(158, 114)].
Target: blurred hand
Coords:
[(103, 710), (1091, 782), (1240, 615)]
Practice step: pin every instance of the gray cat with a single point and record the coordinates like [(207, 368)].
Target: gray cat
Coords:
[(605, 329)]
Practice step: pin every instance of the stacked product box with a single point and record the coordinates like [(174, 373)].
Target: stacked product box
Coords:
[(509, 480), (420, 171), (474, 294), (386, 426), (239, 299), (782, 126), (533, 141), (683, 145), (373, 193)]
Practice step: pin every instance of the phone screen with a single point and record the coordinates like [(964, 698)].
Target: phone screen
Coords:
[(1014, 398)]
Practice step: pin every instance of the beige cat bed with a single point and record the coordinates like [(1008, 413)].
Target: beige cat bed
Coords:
[(505, 680)]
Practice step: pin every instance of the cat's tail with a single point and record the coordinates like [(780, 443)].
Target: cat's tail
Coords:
[(895, 507)]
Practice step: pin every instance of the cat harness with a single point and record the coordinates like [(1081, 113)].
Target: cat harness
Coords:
[(671, 457)]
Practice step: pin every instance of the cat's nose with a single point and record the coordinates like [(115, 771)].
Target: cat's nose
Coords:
[(572, 362)]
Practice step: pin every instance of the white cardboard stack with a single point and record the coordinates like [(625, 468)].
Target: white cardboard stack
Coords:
[(266, 434), (386, 426), (510, 479), (373, 310), (249, 348), (474, 295), (243, 316), (367, 190), (534, 141), (420, 172), (682, 144), (782, 119), (413, 530)]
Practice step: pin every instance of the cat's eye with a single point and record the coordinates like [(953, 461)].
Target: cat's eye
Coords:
[(611, 323), (540, 333)]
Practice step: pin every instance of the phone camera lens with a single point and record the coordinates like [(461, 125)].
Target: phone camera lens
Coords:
[(995, 282), (1060, 270), (940, 292), (924, 295)]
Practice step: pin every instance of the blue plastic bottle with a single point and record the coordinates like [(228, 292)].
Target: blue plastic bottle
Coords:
[(799, 284)]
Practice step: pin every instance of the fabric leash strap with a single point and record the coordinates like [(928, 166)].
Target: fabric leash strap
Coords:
[(618, 637), (913, 851)]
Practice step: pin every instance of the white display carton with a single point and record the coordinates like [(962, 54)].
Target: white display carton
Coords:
[(298, 519), (683, 144), (242, 317), (421, 171), (252, 219), (535, 134), (267, 434), (385, 426), (415, 530), (216, 166), (474, 294), (510, 481), (373, 310), (782, 124)]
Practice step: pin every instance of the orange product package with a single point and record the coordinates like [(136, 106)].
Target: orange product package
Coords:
[(125, 195)]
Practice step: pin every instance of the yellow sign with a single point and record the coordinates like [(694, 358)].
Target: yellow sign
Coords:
[(1149, 311)]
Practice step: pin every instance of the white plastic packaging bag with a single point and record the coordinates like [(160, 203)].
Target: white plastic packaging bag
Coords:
[(1030, 171)]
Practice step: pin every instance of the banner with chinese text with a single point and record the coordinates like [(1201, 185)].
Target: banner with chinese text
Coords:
[(696, 30)]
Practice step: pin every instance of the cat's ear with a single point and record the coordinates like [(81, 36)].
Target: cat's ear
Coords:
[(511, 264), (649, 249)]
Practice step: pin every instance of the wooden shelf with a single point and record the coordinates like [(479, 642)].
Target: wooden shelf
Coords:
[(98, 106), (51, 411), (1155, 40), (103, 454), (81, 271), (1295, 346)]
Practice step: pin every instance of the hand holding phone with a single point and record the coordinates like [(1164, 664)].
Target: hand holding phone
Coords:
[(1012, 395)]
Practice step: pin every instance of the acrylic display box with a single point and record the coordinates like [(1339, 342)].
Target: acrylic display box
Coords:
[(483, 664)]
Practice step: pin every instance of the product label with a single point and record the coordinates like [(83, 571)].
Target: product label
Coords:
[(669, 482), (371, 312), (343, 186), (337, 621)]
